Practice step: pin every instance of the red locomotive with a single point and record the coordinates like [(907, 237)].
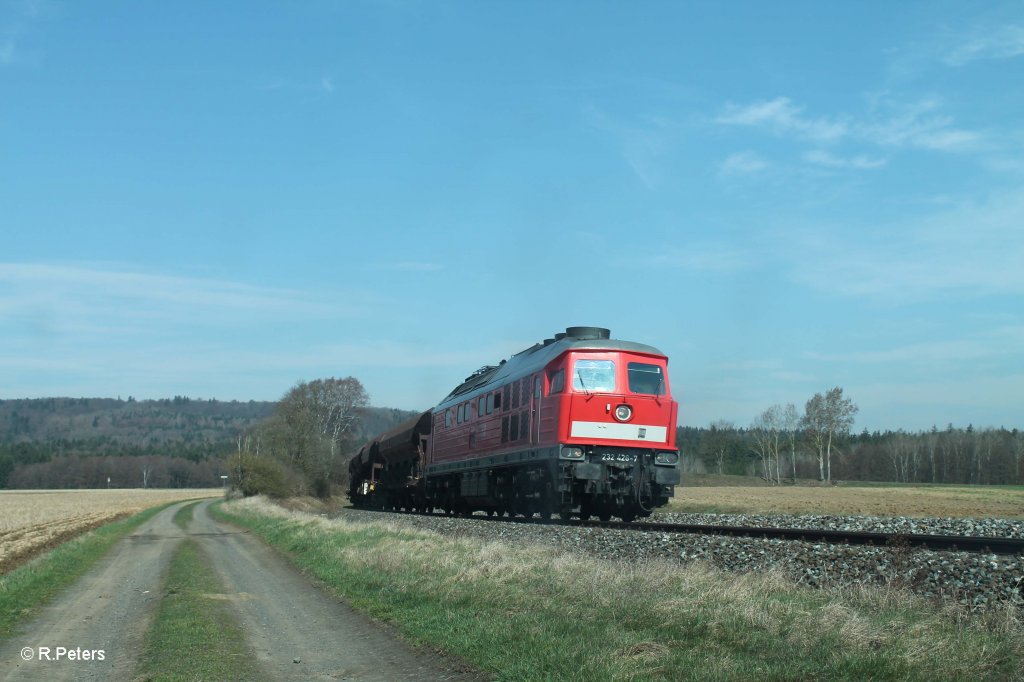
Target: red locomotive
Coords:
[(580, 424)]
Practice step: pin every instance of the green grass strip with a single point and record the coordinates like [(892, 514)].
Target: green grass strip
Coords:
[(25, 589), (183, 516), (195, 634), (535, 613)]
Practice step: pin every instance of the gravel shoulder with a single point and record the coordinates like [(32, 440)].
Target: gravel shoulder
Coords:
[(298, 632)]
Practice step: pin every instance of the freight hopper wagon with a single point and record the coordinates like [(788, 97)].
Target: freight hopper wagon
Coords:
[(580, 424)]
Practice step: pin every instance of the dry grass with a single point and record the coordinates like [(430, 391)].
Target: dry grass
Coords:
[(32, 521), (636, 620), (936, 501)]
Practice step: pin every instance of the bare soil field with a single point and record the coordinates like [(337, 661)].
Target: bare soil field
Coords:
[(932, 501), (32, 521)]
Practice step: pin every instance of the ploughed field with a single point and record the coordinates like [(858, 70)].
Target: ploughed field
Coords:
[(961, 501), (32, 521)]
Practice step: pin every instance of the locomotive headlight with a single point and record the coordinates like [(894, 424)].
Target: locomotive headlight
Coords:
[(623, 413), (572, 453), (666, 458)]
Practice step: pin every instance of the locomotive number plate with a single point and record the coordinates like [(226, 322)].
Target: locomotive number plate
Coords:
[(626, 458)]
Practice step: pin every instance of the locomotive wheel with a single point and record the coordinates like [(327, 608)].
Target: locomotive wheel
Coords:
[(604, 515)]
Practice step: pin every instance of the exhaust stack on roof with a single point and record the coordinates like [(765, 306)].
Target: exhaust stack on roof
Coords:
[(588, 333)]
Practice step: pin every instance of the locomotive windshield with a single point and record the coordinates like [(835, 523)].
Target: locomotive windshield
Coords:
[(646, 378), (594, 376)]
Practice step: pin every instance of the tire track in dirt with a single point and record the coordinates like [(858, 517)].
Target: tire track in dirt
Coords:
[(297, 631), (286, 618), (108, 610)]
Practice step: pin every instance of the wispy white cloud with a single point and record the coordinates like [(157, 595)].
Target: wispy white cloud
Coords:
[(8, 50), (857, 162), (919, 124), (741, 164), (1002, 42), (126, 284), (971, 248), (643, 142), (411, 266), (327, 84), (891, 123), (783, 117), (998, 342), (47, 300)]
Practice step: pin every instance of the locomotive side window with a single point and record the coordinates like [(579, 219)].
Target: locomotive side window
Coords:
[(480, 406), (497, 400), (594, 376), (557, 380), (538, 387), (462, 411), (447, 418), (490, 403), (646, 378)]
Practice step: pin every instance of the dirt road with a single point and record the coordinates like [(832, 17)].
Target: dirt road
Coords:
[(297, 631)]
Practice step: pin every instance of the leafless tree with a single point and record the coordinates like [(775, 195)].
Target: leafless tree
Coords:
[(318, 415), (767, 433), (825, 418), (790, 426)]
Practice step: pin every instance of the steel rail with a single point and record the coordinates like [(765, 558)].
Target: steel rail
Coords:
[(958, 543)]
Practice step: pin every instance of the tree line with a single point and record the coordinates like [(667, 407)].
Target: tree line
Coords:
[(182, 442), (301, 443), (147, 471), (783, 443)]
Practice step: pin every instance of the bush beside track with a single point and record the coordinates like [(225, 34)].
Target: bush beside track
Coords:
[(536, 613)]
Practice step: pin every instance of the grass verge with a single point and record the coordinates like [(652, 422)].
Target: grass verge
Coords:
[(195, 634), (534, 613), (28, 587)]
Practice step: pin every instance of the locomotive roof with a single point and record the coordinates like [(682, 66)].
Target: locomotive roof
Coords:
[(539, 355)]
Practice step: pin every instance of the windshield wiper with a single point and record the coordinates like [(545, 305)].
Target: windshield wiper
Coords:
[(583, 384)]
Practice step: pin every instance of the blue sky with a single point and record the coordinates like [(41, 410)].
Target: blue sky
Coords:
[(221, 199)]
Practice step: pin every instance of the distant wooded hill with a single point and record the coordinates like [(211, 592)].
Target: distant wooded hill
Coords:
[(45, 430)]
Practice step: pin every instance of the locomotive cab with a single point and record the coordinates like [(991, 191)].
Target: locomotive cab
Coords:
[(617, 426)]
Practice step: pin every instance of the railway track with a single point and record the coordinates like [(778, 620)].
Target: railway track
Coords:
[(958, 543)]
